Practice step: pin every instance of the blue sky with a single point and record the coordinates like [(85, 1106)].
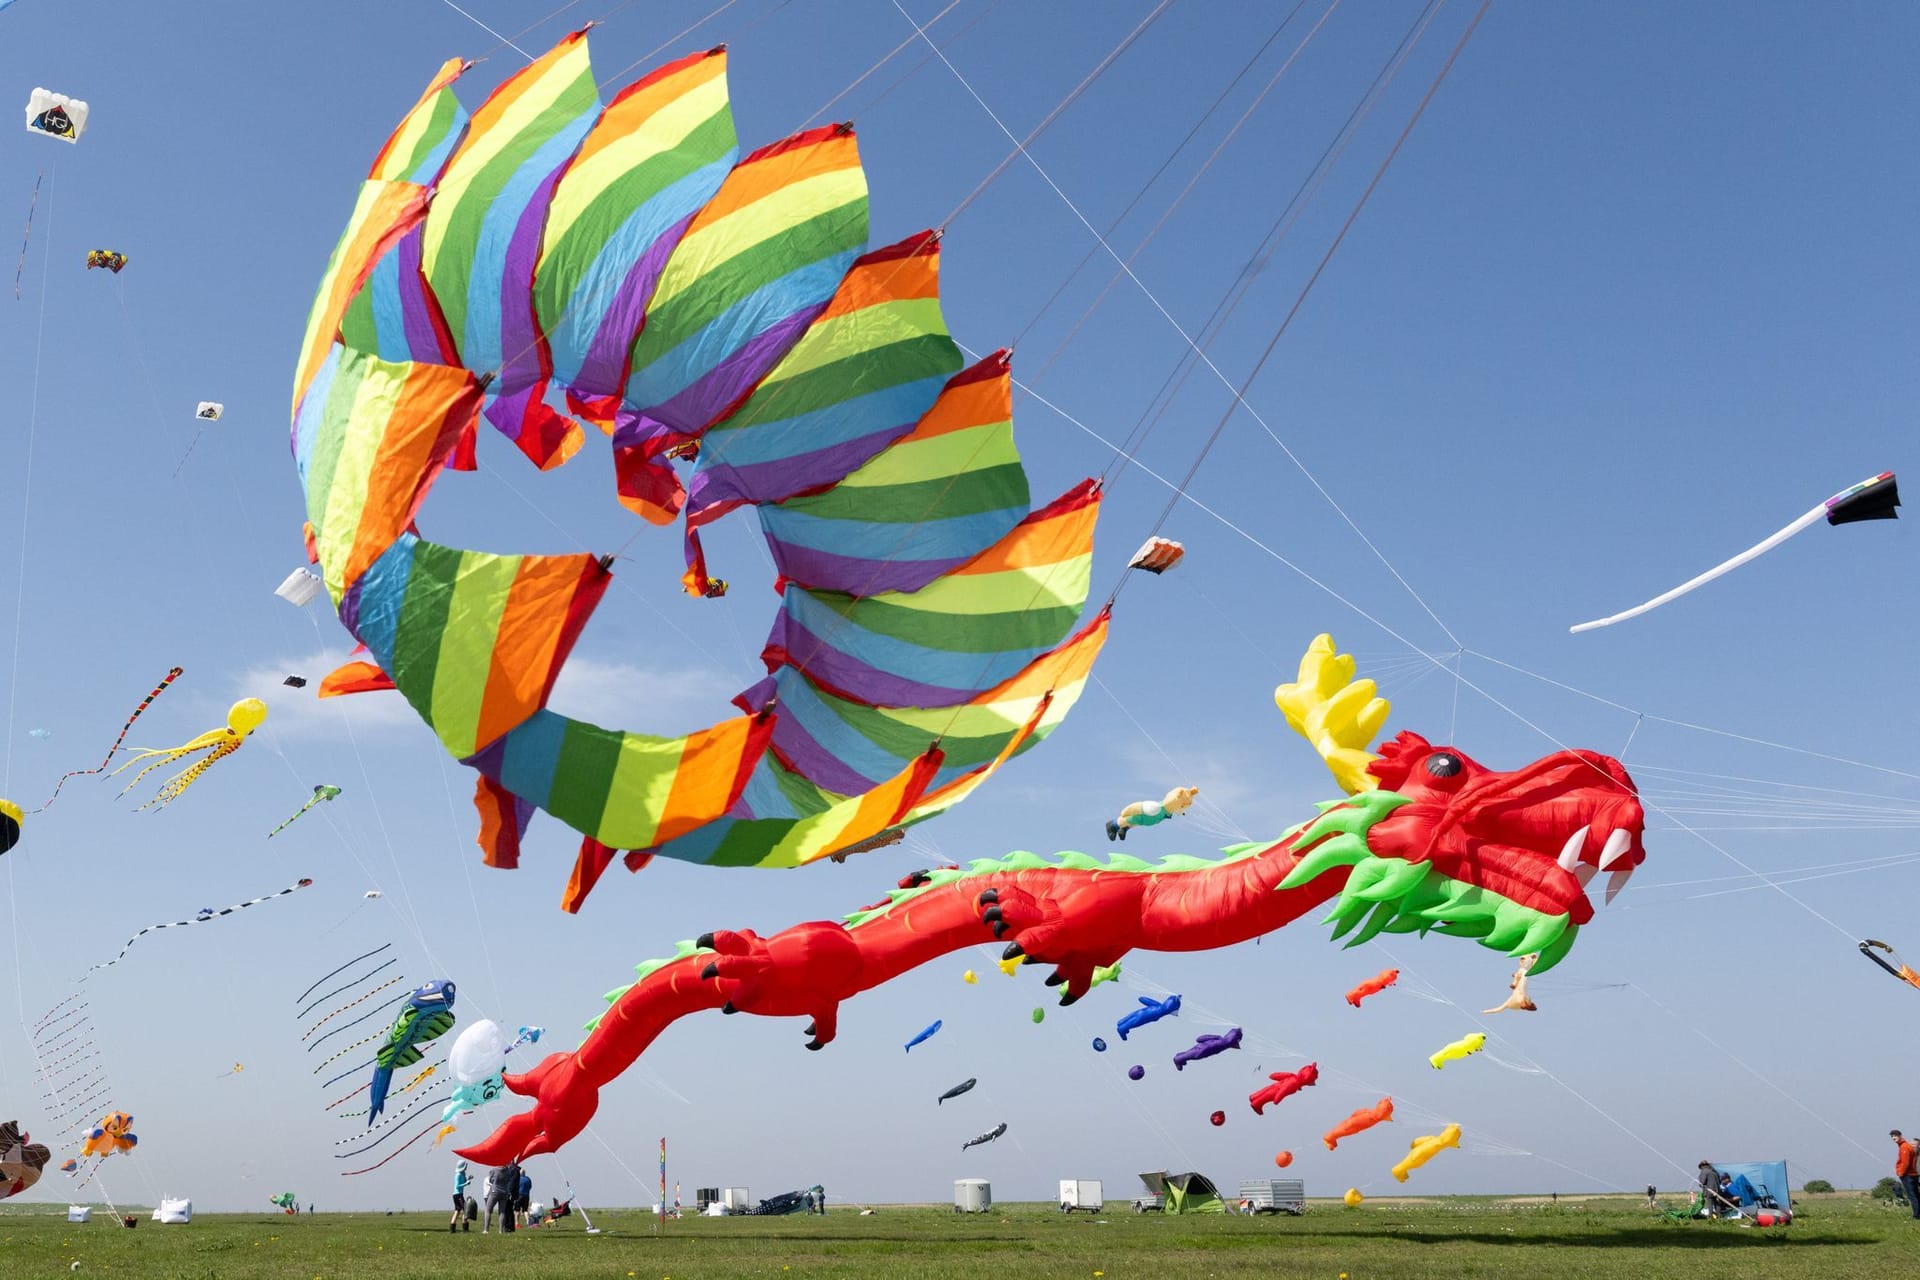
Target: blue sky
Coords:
[(1638, 290)]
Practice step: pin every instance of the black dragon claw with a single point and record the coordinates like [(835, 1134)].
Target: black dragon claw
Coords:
[(1013, 952), (814, 1044), (991, 914), (728, 1008), (711, 972), (704, 942), (1067, 999), (808, 1031), (1000, 928), (988, 895), (1055, 979)]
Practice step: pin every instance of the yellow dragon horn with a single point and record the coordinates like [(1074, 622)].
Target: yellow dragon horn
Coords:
[(1336, 713)]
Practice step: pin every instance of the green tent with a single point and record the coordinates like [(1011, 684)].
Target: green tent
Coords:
[(1185, 1192)]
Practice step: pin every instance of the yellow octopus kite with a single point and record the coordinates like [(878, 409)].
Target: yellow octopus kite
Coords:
[(243, 718)]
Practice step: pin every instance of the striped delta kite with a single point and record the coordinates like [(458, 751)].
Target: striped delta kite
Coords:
[(554, 260)]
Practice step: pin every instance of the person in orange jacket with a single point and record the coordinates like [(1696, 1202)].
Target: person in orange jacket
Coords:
[(1904, 1170)]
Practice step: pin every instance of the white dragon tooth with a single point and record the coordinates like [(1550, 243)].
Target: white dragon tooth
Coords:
[(1570, 852), (1616, 848), (1585, 873), (1618, 881)]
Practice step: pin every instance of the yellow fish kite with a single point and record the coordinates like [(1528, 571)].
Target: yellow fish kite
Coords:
[(1425, 1149), (1459, 1049)]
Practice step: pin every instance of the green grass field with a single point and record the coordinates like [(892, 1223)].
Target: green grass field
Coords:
[(1844, 1236)]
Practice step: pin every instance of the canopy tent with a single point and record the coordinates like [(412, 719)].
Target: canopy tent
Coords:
[(1759, 1185), (1185, 1192)]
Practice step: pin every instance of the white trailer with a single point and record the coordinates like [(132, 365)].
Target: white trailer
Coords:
[(737, 1200), (1079, 1193), (1274, 1195)]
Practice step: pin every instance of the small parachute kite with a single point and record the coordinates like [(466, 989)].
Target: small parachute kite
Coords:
[(324, 791), (1285, 1085), (1207, 1046), (427, 1016), (298, 588), (110, 259), (114, 1134), (295, 682), (55, 115), (988, 1136), (1465, 1046), (238, 1067), (69, 1166), (1872, 499), (1359, 1122), (1893, 964), (1157, 555), (1148, 813), (286, 1200), (243, 718), (1426, 1148), (1150, 1010), (209, 411), (40, 735), (21, 1161), (1373, 986)]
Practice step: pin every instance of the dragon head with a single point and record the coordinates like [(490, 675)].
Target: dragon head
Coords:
[(1436, 840)]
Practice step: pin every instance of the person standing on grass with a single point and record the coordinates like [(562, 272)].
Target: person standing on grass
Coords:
[(460, 1178), (1905, 1172), (502, 1186), (523, 1197)]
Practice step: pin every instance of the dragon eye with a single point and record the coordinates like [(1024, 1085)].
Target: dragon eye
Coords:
[(1442, 765)]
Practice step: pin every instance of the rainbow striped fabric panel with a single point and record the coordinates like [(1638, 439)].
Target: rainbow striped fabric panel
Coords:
[(657, 155), (552, 260), (483, 232)]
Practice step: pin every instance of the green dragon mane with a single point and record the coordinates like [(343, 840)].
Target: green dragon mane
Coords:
[(1394, 895)]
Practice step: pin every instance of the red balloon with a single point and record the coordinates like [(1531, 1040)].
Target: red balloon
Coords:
[(1284, 1159), (1219, 1118)]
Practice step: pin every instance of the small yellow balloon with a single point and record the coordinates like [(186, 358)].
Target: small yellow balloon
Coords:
[(246, 715), (969, 977), (1008, 966), (1353, 1197)]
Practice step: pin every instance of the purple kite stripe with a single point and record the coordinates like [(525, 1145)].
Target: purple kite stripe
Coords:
[(792, 743), (603, 369), (859, 681), (522, 347), (780, 478), (824, 570), (720, 389), (417, 304)]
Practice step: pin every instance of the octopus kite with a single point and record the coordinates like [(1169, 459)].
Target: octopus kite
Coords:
[(1427, 840), (243, 718)]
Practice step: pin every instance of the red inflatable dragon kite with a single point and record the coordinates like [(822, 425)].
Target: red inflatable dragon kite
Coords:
[(1427, 839)]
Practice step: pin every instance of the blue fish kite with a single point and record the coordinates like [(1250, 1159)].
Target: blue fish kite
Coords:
[(924, 1034), (1206, 1047), (1150, 1010), (427, 1016)]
